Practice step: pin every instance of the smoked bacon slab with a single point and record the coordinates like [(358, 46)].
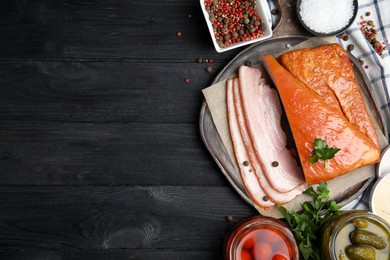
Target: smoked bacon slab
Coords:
[(314, 115), (328, 71)]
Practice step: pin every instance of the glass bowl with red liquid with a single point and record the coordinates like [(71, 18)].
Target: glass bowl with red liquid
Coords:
[(261, 238)]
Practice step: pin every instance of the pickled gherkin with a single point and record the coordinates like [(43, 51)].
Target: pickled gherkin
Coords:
[(364, 237), (355, 235), (360, 223), (360, 252)]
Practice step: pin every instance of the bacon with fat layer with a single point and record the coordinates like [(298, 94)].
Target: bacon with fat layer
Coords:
[(262, 113), (272, 194), (249, 179)]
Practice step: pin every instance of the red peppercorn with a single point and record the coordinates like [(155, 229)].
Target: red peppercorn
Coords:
[(179, 34), (229, 17), (210, 60), (187, 80)]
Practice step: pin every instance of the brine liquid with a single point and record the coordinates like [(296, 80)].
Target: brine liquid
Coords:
[(264, 243), (342, 239)]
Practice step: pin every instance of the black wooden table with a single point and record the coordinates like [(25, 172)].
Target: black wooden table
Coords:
[(100, 152)]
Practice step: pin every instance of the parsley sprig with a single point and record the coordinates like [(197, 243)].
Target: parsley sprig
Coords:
[(306, 226), (322, 151)]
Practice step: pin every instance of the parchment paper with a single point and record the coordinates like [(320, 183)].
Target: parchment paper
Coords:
[(215, 96)]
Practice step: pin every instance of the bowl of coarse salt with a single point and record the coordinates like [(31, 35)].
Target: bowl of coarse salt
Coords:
[(326, 17)]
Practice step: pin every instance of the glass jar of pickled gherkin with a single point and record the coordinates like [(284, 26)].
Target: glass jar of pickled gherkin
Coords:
[(356, 234)]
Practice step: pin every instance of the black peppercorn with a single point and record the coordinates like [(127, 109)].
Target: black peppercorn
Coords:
[(229, 218), (248, 63), (275, 164), (350, 47), (246, 163)]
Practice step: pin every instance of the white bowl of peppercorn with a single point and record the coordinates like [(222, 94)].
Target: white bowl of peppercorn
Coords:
[(235, 23)]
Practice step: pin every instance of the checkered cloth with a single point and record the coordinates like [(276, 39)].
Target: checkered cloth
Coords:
[(377, 67)]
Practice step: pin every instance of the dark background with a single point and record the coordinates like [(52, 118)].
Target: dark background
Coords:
[(100, 151)]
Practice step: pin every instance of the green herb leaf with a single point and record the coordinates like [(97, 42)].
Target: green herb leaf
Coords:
[(306, 226), (323, 191), (310, 191), (322, 151), (333, 206)]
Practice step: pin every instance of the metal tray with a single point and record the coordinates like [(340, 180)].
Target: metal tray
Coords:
[(253, 54)]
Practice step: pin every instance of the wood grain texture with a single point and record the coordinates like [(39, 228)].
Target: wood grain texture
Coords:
[(102, 91), (117, 218), (100, 152), (105, 154), (114, 255), (109, 30)]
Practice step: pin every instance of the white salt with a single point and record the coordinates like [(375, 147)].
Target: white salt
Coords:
[(326, 16)]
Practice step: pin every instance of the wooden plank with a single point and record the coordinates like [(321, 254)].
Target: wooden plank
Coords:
[(119, 30), (118, 218), (114, 255), (105, 154), (102, 91)]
